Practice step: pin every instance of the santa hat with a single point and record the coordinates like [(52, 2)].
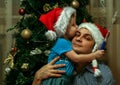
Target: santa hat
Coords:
[(56, 21), (97, 31)]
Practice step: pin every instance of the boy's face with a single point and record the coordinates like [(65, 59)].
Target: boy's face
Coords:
[(72, 27), (72, 21)]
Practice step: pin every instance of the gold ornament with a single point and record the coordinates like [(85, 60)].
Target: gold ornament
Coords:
[(75, 4), (56, 5), (9, 60), (26, 33), (25, 66), (46, 7), (46, 52)]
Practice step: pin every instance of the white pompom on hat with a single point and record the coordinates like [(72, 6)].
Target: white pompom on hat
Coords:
[(56, 21), (98, 32)]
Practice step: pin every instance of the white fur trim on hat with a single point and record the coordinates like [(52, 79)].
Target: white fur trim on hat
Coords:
[(63, 20), (96, 34), (51, 35)]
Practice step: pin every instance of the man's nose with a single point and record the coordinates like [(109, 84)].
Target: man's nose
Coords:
[(79, 38)]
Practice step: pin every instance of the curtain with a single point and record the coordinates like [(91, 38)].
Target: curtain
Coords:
[(2, 37), (102, 12), (8, 17), (114, 40)]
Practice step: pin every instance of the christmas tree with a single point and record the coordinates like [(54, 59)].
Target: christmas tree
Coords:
[(31, 48)]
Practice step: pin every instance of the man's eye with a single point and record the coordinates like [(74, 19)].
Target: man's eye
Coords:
[(88, 38)]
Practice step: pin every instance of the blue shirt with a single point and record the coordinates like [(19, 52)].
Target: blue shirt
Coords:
[(61, 46), (86, 77)]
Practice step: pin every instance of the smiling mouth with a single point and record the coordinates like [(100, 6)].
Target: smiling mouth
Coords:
[(75, 44)]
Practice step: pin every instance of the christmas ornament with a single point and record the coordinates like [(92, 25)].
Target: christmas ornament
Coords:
[(25, 66), (10, 61), (35, 52), (75, 4), (21, 11), (46, 52), (46, 7), (26, 16), (56, 5), (7, 70), (47, 45), (84, 20), (26, 33), (14, 49)]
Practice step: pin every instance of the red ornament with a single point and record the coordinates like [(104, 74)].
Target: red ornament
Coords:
[(21, 11), (84, 20), (14, 49)]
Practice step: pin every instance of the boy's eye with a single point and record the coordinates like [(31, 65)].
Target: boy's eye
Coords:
[(77, 34)]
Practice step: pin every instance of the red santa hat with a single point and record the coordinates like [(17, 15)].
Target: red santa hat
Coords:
[(97, 31), (56, 21)]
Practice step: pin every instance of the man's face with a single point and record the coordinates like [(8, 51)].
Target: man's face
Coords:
[(83, 41)]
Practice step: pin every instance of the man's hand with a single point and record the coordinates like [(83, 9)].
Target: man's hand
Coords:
[(49, 70)]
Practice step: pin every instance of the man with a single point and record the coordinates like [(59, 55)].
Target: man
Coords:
[(87, 37)]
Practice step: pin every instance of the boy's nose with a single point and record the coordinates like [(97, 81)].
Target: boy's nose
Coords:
[(76, 26)]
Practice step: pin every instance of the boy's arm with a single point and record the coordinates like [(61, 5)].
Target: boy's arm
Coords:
[(73, 56)]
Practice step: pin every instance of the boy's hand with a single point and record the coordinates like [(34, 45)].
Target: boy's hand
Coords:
[(99, 53)]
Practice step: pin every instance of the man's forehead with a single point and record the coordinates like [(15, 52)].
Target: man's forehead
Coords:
[(84, 31)]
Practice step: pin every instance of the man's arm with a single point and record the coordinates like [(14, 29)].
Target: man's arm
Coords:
[(47, 71)]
